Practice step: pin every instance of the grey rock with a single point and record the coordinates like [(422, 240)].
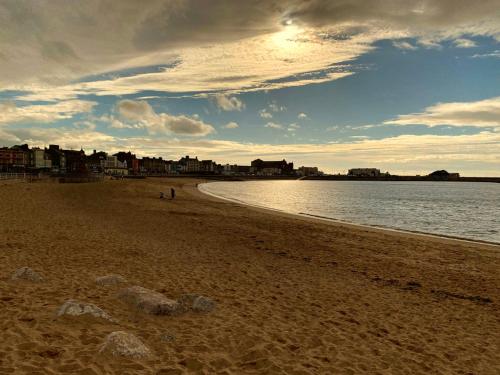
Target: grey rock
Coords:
[(197, 303), (26, 274), (149, 301), (124, 344), (110, 280), (75, 308)]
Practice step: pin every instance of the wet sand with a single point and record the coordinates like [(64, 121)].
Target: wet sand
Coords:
[(294, 295)]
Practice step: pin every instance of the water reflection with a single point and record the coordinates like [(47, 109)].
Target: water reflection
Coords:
[(464, 209)]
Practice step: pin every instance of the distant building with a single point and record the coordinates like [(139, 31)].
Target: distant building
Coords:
[(271, 168), (189, 165), (364, 172), (40, 160), (171, 166), (229, 169), (21, 158), (131, 161), (153, 165), (235, 170), (308, 171), (57, 158), (96, 161), (14, 159), (76, 161), (444, 175), (114, 167), (243, 170), (208, 166)]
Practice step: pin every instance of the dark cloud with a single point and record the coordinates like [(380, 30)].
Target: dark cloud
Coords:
[(424, 14), (208, 21), (53, 40), (58, 51)]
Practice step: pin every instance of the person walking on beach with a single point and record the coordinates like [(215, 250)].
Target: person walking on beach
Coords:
[(172, 193)]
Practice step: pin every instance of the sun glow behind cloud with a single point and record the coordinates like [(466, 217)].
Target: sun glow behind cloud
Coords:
[(282, 59), (287, 38)]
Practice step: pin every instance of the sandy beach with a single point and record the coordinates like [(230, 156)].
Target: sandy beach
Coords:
[(293, 296)]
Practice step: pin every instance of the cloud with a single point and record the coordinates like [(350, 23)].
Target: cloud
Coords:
[(442, 16), (11, 113), (273, 125), (483, 113), (88, 125), (495, 53), (302, 116), (114, 123), (430, 43), (404, 45), (7, 138), (70, 138), (267, 112), (196, 44), (231, 125), (464, 43), (184, 125), (143, 116), (363, 127), (264, 114), (276, 108), (135, 110), (227, 103)]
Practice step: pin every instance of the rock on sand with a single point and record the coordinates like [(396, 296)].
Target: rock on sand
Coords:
[(196, 303), (75, 308), (124, 344), (149, 301), (26, 274)]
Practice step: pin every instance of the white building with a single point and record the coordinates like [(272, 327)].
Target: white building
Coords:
[(113, 166), (40, 159), (308, 171)]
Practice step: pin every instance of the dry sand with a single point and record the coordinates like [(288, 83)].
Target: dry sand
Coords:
[(293, 296)]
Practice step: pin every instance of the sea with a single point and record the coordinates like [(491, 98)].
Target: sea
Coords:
[(468, 210)]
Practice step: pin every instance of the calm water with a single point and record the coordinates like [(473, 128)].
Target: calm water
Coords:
[(468, 210)]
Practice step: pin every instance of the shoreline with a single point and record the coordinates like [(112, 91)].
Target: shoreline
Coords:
[(331, 221)]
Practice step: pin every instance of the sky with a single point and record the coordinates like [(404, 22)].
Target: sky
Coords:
[(408, 87)]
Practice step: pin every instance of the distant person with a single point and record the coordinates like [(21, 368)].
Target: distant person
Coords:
[(172, 193)]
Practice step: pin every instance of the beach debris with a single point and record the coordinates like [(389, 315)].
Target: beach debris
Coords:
[(412, 285), (110, 280), (443, 294), (149, 301), (75, 308), (120, 343), (26, 274), (51, 353), (196, 303)]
